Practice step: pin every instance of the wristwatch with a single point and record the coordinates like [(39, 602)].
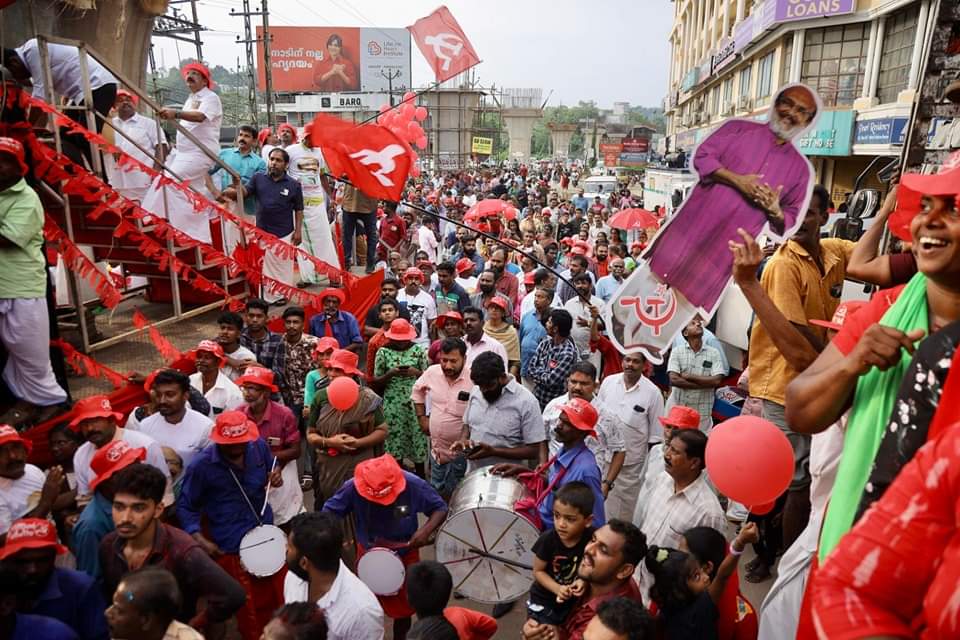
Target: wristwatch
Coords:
[(609, 483)]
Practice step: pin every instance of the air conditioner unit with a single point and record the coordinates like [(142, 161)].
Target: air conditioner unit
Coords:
[(744, 103)]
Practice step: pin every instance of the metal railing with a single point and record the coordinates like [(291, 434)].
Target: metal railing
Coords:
[(84, 51)]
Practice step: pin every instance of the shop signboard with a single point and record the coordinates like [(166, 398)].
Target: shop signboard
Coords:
[(482, 146), (790, 10), (890, 131), (831, 136), (636, 145)]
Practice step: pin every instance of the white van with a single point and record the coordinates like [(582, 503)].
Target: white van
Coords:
[(601, 186)]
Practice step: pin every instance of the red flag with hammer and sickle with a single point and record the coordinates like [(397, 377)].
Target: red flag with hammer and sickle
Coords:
[(444, 44)]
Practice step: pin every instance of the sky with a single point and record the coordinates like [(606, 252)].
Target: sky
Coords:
[(600, 50)]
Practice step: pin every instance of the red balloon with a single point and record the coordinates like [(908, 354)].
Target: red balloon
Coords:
[(420, 114), (415, 171), (421, 142), (343, 393), (408, 96), (384, 108), (763, 509), (749, 460), (407, 111)]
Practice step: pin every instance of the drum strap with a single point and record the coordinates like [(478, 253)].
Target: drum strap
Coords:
[(247, 498)]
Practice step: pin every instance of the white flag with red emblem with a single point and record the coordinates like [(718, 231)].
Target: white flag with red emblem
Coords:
[(444, 44), (375, 160)]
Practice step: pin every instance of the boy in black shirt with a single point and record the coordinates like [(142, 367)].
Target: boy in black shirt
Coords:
[(557, 555)]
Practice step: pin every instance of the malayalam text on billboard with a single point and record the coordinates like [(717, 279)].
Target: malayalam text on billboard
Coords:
[(335, 59)]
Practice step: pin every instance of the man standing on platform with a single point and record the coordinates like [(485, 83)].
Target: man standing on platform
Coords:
[(309, 169), (133, 183), (280, 213), (359, 208), (201, 115), (24, 322), (245, 161)]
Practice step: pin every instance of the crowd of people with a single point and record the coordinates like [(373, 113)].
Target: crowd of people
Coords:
[(243, 499)]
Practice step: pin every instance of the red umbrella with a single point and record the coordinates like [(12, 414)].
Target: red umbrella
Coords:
[(488, 207), (628, 219)]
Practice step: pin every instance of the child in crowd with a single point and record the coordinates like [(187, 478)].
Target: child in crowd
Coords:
[(429, 585), (318, 378), (687, 598), (389, 310), (557, 554)]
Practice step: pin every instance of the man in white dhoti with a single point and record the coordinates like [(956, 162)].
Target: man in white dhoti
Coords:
[(308, 168), (201, 115), (24, 324), (137, 132)]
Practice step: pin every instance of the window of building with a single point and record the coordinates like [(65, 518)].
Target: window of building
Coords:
[(728, 91), (745, 78), (716, 106), (765, 76), (785, 61), (834, 59), (898, 37)]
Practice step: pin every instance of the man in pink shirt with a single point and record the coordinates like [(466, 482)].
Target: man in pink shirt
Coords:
[(449, 385), (476, 340)]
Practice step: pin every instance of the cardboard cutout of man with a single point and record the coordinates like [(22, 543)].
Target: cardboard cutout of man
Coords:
[(752, 176)]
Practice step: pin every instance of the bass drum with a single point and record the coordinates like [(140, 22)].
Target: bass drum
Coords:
[(485, 544)]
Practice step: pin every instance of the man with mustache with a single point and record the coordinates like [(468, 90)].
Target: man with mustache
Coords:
[(21, 482), (751, 177)]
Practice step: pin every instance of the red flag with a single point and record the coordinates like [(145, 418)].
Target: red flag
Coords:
[(444, 44), (375, 160)]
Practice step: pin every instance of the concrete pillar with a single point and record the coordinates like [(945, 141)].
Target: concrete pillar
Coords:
[(875, 75), (741, 5), (560, 136), (919, 39), (796, 64), (872, 59), (520, 130)]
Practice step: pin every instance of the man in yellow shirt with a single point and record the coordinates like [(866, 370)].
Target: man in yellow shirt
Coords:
[(24, 323)]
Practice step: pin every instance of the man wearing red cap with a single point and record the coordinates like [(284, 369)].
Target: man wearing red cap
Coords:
[(136, 132), (465, 278), (219, 390), (420, 305), (679, 417), (96, 420), (24, 322), (335, 323), (225, 486), (96, 519), (385, 502), (201, 115), (277, 426), (72, 597), (20, 483)]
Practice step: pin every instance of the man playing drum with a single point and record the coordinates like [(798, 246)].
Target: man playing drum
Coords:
[(226, 485), (385, 501)]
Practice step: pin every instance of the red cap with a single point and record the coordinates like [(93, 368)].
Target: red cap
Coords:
[(257, 375), (234, 427), (578, 250), (31, 533), (324, 344), (9, 435), (500, 302), (581, 414), (844, 311), (263, 135), (344, 360), (202, 70), (211, 346), (112, 458), (400, 329), (123, 93), (681, 417), (380, 480), (567, 241), (913, 186), (529, 277), (464, 264), (413, 272), (93, 407), (14, 148), (449, 315), (290, 127), (335, 293)]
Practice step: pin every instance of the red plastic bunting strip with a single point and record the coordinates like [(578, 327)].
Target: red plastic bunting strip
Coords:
[(167, 351), (80, 264), (127, 163), (87, 366)]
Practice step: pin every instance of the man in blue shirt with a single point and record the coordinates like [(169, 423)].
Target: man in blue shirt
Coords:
[(26, 626), (96, 519), (385, 501), (533, 330), (279, 212), (341, 325), (574, 463), (225, 485), (242, 159), (71, 597)]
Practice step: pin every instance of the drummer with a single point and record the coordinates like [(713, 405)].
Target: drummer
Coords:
[(278, 428), (385, 501), (225, 485)]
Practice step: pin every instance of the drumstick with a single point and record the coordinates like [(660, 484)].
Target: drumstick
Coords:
[(492, 556), (267, 495)]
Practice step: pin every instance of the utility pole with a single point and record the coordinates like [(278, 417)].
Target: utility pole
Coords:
[(390, 78), (249, 40)]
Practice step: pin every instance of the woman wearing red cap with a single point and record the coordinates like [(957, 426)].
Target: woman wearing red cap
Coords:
[(397, 367), (201, 115)]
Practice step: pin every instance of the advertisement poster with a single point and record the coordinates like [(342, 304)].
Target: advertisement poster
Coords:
[(335, 59)]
